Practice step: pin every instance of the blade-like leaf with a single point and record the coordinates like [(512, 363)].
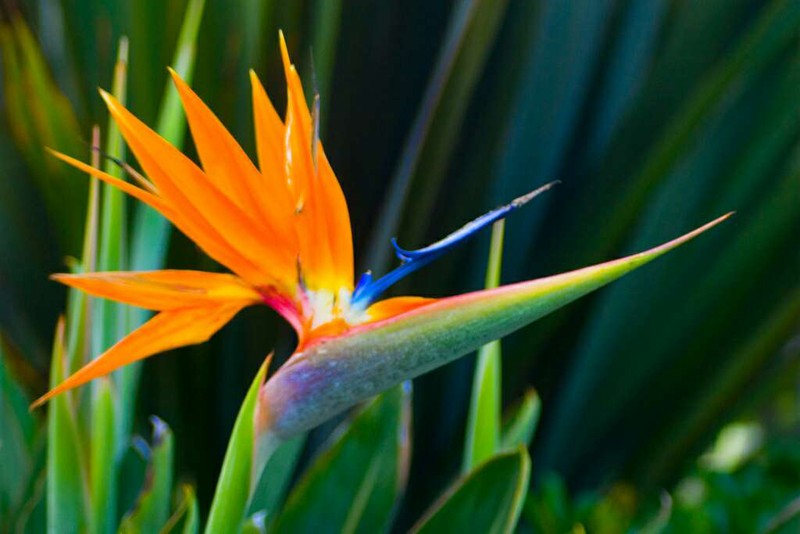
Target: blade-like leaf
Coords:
[(325, 30), (151, 230), (78, 320), (235, 483), (353, 486), (152, 508), (520, 426), (483, 424), (42, 116), (333, 375), (67, 493), (271, 490), (109, 324), (563, 54), (102, 474), (470, 36), (726, 387), (489, 500), (19, 446)]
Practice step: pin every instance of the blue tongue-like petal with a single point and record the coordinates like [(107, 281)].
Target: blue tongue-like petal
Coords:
[(368, 289)]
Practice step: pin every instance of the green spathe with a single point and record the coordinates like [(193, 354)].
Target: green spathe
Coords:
[(334, 374)]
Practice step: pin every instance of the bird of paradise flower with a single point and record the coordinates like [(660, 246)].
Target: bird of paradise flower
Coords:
[(284, 232)]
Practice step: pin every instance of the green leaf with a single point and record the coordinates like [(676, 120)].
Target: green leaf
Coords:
[(151, 230), (110, 319), (20, 445), (186, 519), (566, 41), (79, 334), (520, 426), (67, 492), (235, 483), (369, 360), (152, 508), (549, 509), (726, 386), (489, 500), (103, 469), (43, 117), (470, 36), (483, 424), (271, 490), (768, 36), (326, 19), (353, 486)]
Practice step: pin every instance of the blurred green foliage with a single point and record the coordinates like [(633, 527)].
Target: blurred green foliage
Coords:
[(656, 115)]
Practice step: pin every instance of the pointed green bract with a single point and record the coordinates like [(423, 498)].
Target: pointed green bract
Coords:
[(489, 500), (353, 486), (236, 479), (367, 360), (483, 425)]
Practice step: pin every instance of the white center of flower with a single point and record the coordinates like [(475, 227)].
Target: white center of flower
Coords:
[(328, 306)]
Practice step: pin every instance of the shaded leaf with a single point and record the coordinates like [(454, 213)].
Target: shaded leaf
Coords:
[(271, 490), (470, 36), (520, 426), (151, 230), (354, 484), (152, 508), (67, 491), (20, 444), (488, 500), (43, 117)]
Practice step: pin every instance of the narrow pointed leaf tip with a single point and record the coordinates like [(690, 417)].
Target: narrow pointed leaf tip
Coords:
[(333, 374), (368, 290)]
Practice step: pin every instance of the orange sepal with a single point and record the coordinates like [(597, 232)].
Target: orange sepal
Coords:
[(167, 330), (166, 289), (210, 217), (227, 165)]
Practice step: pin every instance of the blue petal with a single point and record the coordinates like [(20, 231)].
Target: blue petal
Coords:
[(368, 290)]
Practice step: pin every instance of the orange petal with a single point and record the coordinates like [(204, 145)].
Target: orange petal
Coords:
[(226, 164), (210, 217), (138, 193), (167, 330), (164, 290), (316, 257), (270, 146), (337, 222), (395, 306)]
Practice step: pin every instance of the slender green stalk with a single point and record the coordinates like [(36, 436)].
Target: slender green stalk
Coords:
[(110, 425), (483, 425)]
